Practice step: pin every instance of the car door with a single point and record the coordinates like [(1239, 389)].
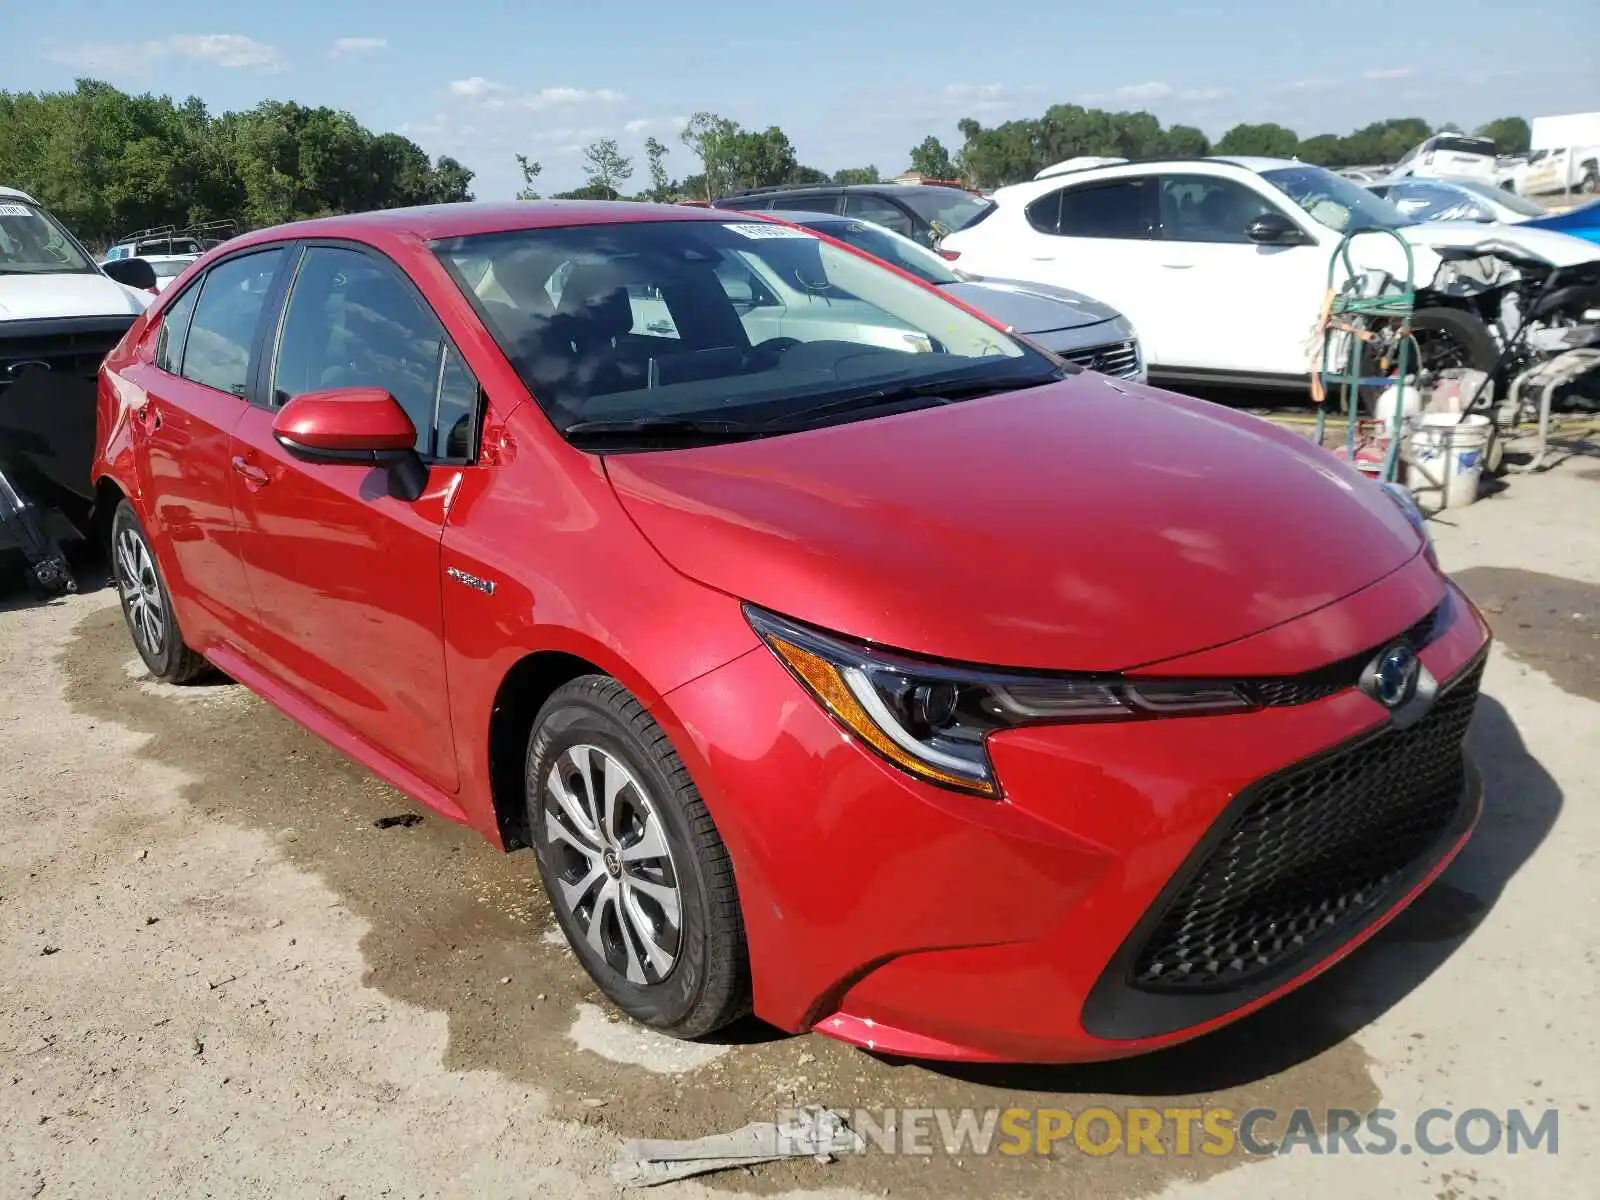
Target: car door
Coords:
[(1231, 305), (345, 576), (1095, 237), (194, 394)]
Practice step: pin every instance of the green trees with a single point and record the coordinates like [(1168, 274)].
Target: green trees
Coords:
[(107, 162), (1018, 150)]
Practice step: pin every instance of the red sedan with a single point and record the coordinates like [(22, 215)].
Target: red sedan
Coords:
[(838, 655)]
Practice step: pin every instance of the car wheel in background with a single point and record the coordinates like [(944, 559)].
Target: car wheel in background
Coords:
[(636, 872), (146, 603)]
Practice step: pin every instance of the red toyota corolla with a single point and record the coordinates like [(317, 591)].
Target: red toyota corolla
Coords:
[(838, 654)]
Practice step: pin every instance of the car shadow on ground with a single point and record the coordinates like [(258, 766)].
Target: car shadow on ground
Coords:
[(1521, 804)]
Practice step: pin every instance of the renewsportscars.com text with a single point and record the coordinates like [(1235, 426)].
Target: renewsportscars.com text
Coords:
[(1211, 1132)]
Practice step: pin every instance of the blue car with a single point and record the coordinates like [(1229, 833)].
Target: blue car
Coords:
[(1579, 222)]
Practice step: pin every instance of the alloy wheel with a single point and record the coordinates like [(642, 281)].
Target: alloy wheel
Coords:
[(615, 873), (141, 593)]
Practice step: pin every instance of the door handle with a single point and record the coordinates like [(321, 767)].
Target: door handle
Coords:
[(1177, 266), (147, 416), (254, 477), (1043, 258)]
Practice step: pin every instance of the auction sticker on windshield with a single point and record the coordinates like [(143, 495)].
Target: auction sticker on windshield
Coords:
[(756, 231), (15, 210)]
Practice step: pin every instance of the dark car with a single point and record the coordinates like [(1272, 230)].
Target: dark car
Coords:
[(923, 212)]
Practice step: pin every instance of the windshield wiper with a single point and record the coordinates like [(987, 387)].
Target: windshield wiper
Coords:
[(946, 391), (686, 429)]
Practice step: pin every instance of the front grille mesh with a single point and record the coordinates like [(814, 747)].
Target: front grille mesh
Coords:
[(1314, 852), (1114, 358)]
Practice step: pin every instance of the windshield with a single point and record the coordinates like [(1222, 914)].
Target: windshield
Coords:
[(891, 247), (1502, 197), (169, 268), (736, 321), (945, 206), (31, 243), (1335, 202)]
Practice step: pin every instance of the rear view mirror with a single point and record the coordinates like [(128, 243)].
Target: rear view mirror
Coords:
[(354, 425), (132, 272), (1275, 229)]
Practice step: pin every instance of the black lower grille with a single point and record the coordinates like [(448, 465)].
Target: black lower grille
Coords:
[(1114, 358), (1311, 853)]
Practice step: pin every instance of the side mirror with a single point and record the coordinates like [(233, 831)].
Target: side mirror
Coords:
[(132, 272), (354, 425), (1275, 229)]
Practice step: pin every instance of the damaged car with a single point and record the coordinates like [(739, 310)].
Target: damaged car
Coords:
[(1223, 266), (59, 315)]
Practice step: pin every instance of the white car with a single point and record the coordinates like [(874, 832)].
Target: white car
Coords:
[(1449, 154), (168, 267), (1456, 200), (59, 314), (1223, 264)]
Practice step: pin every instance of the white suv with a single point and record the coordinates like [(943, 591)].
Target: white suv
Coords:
[(1222, 264)]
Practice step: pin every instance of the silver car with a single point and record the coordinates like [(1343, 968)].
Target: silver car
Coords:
[(1069, 323)]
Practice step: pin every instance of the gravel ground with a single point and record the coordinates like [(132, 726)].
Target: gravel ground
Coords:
[(218, 978)]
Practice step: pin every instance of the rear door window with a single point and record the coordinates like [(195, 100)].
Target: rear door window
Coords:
[(222, 334), (817, 202), (1114, 209), (174, 331)]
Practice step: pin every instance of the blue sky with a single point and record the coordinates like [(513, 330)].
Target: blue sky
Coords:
[(851, 83)]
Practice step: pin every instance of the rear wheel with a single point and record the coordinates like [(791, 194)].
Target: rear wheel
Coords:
[(146, 603), (636, 873)]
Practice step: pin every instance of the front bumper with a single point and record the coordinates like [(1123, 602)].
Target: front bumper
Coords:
[(917, 921)]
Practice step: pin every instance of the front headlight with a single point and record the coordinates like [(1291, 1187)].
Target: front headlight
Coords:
[(1407, 504), (932, 719)]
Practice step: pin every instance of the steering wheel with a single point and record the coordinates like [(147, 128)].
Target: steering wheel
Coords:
[(769, 349)]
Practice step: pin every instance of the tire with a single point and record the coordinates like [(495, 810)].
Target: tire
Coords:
[(146, 603), (1590, 183), (1471, 336), (612, 894)]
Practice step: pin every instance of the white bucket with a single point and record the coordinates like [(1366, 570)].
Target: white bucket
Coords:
[(1445, 462)]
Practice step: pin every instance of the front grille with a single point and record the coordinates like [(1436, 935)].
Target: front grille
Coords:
[(1319, 684), (72, 353), (1114, 358), (1313, 852)]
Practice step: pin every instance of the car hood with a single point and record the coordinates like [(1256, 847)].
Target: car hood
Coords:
[(1549, 245), (1030, 307), (65, 294), (1085, 525)]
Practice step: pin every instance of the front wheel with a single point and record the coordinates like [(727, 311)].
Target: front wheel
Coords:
[(637, 875), (1448, 337)]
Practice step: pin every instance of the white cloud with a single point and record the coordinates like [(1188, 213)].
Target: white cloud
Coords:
[(1206, 95), (357, 45), (1132, 93), (499, 95), (1392, 73), (231, 50)]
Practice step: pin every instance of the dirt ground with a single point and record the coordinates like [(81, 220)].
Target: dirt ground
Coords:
[(219, 978)]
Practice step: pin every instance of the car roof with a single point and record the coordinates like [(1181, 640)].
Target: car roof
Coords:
[(1256, 165), (16, 194), (892, 189), (428, 222)]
